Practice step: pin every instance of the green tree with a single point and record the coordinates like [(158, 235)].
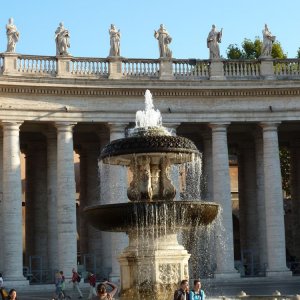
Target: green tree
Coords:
[(234, 52)]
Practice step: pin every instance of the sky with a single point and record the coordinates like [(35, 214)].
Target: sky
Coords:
[(187, 21)]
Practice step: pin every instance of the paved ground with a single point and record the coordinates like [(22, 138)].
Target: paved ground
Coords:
[(213, 288)]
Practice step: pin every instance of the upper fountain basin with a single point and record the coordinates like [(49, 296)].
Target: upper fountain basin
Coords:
[(169, 216)]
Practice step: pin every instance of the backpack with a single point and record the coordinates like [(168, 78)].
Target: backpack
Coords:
[(78, 277)]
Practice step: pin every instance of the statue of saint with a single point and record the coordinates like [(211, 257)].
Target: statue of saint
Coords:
[(62, 40), (12, 35), (164, 39), (115, 36), (268, 40), (213, 40)]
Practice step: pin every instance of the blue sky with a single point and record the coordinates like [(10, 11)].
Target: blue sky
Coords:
[(187, 21)]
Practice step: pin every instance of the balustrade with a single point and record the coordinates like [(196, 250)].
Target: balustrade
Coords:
[(191, 69), (89, 66), (237, 68), (182, 69), (287, 68), (31, 64), (140, 67)]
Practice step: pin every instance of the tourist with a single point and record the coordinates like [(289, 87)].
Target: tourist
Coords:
[(62, 40), (268, 40), (92, 282), (164, 39), (197, 293), (115, 36), (75, 280), (58, 285), (12, 35), (213, 40), (12, 295), (183, 292), (102, 292)]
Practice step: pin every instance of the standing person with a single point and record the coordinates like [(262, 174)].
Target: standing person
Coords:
[(75, 280), (102, 292), (58, 285), (213, 40), (268, 40), (115, 36), (92, 282), (12, 295), (164, 39), (197, 293), (182, 293), (12, 35)]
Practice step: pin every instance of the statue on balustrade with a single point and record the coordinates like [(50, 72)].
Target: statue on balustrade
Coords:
[(12, 35), (268, 40), (213, 40), (164, 39), (115, 36), (62, 40)]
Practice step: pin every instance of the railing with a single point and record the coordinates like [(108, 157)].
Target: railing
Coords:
[(140, 68), (287, 68), (241, 69), (31, 64), (191, 69), (89, 66)]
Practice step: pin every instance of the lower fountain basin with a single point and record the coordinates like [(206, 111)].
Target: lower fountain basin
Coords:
[(170, 216)]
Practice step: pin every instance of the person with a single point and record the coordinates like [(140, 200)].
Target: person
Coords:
[(92, 282), (12, 36), (115, 36), (268, 40), (3, 292), (102, 292), (182, 293), (12, 295), (1, 281), (197, 293), (213, 40), (75, 281), (164, 39), (58, 285), (63, 286), (62, 40)]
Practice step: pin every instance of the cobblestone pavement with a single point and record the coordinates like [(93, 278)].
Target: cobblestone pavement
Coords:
[(213, 288)]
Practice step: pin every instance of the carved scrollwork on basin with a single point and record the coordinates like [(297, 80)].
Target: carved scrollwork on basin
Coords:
[(169, 273)]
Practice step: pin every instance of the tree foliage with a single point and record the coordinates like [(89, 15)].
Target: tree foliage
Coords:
[(252, 50)]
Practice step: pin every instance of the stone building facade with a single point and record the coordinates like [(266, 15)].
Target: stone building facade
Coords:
[(53, 107)]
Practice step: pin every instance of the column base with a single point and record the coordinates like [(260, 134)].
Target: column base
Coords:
[(19, 282), (281, 273), (234, 274)]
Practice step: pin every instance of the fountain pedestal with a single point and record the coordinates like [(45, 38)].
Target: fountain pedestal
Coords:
[(152, 265)]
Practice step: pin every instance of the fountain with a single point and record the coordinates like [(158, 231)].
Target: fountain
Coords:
[(154, 262)]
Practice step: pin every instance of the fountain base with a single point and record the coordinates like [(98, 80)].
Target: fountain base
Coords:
[(152, 265)]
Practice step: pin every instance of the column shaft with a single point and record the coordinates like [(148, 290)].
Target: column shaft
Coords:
[(1, 201)]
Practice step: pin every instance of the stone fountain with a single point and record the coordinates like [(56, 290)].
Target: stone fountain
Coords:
[(154, 262)]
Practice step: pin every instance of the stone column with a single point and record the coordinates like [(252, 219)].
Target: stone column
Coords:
[(260, 196), (274, 203), (52, 200), (36, 203), (295, 194), (222, 195), (248, 206), (1, 201), (66, 198), (118, 194), (207, 178), (12, 204)]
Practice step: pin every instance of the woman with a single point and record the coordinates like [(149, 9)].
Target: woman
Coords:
[(102, 292), (12, 295), (197, 293)]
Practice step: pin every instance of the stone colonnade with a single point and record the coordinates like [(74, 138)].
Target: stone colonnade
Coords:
[(57, 230)]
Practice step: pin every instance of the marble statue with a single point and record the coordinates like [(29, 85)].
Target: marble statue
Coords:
[(164, 39), (12, 35), (268, 40), (213, 40), (62, 40), (115, 36)]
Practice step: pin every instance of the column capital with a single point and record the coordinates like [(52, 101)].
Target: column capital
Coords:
[(269, 126), (117, 127), (65, 126), (219, 126)]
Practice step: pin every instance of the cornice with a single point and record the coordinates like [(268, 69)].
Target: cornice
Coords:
[(165, 91)]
